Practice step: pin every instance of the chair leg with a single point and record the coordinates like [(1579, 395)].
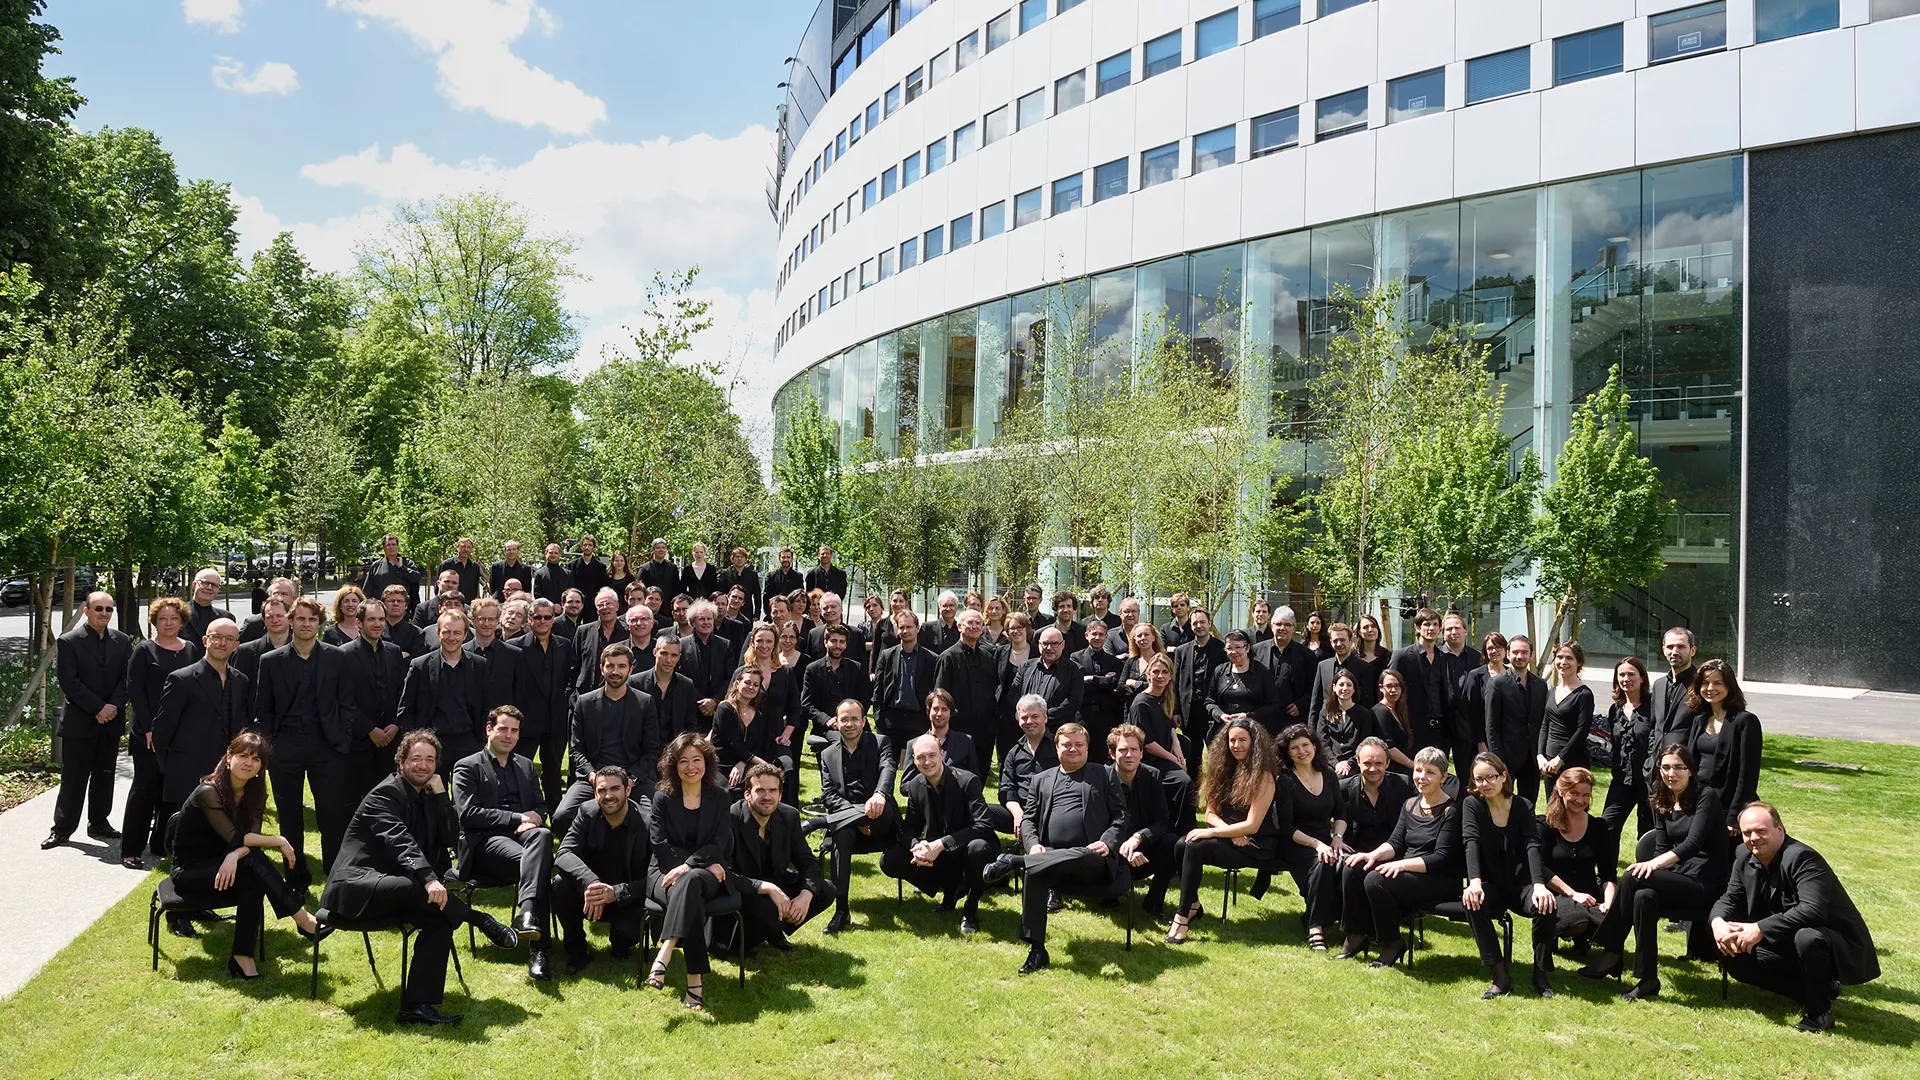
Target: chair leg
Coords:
[(740, 932), (406, 939), (153, 927), (459, 974), (1723, 979), (367, 940), (313, 984), (1507, 934), (1128, 900)]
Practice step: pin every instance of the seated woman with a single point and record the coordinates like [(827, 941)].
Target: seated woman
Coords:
[(1343, 724), (218, 849), (1686, 873), (1504, 870), (1390, 722), (1419, 864), (745, 734), (692, 844), (1317, 844), (1152, 711), (1578, 853), (1243, 817)]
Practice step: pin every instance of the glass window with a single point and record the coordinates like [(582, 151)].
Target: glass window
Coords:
[(1509, 72), (1159, 165), (869, 194), (1113, 73), (1070, 91), (1026, 208), (886, 264), (934, 242), (910, 170), (960, 232), (910, 254), (1216, 34), (1029, 110), (936, 156), (916, 83), (966, 51), (993, 220), (821, 302), (1273, 16), (1275, 131), (966, 139), (850, 284), (866, 274), (1328, 7), (1340, 114), (893, 100), (1586, 56), (1416, 95), (855, 128), (889, 182), (1213, 149), (873, 115), (833, 292), (937, 69), (1067, 5), (839, 144), (1110, 180), (997, 125), (910, 8), (1066, 193), (875, 35), (1674, 34), (843, 67), (999, 30), (1032, 14), (1163, 54), (1893, 9), (1775, 19)]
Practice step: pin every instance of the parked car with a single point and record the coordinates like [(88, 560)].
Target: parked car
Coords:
[(16, 592)]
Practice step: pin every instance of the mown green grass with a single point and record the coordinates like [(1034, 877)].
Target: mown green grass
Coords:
[(905, 995)]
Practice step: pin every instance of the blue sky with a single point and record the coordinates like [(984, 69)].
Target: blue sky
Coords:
[(637, 127)]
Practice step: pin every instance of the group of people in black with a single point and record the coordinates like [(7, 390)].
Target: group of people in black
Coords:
[(623, 743)]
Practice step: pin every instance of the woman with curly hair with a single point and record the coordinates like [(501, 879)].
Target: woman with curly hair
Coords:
[(1243, 820)]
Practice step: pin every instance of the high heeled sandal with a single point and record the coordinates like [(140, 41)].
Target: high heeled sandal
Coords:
[(657, 977), (692, 998), (1317, 941), (1177, 933)]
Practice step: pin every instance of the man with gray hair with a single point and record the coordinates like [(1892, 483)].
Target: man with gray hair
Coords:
[(1292, 666), (206, 590), (706, 658), (592, 639), (943, 632), (970, 671), (1031, 754)]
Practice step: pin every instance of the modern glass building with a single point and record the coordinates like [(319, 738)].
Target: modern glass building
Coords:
[(1586, 183)]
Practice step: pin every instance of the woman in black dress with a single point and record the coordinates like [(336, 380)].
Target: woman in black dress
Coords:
[(1317, 845), (745, 733), (346, 616), (1372, 652), (692, 844), (1578, 851), (144, 823), (619, 577), (1504, 869), (698, 577), (1419, 864), (1152, 712), (1244, 824), (219, 848), (1143, 644), (1686, 873), (1563, 731), (1315, 638), (1343, 723), (1241, 689), (1725, 740), (1630, 724), (1390, 722)]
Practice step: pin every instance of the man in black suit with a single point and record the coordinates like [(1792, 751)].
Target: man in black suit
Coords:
[(502, 656), (503, 829), (956, 747), (1516, 707), (401, 629), (706, 658), (205, 604), (832, 614), (1066, 619), (659, 572), (589, 571), (446, 692), (1150, 838), (902, 676), (1178, 630), (254, 627), (856, 787), (91, 665), (782, 582), (1292, 666), (303, 701), (550, 579), (392, 568), (603, 869), (675, 701), (1668, 695), (1030, 755), (945, 841), (391, 865), (825, 576), (1071, 839), (734, 624), (508, 567), (1194, 661), (638, 620), (1053, 677), (942, 632), (543, 692), (1037, 620), (202, 707), (1453, 632), (829, 681), (970, 671), (1366, 682), (613, 725), (276, 629), (1119, 637), (1431, 678), (466, 570), (1785, 922), (738, 573), (778, 875), (376, 674), (590, 640)]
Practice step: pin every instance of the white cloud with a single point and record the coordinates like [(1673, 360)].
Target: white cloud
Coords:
[(471, 42), (272, 77), (223, 15)]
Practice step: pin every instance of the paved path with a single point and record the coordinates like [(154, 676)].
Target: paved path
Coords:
[(1869, 716), (51, 896)]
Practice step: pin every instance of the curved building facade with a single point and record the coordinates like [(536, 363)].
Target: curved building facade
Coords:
[(1588, 183)]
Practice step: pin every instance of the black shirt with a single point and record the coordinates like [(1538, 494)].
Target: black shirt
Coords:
[(453, 704), (1066, 824), (504, 783)]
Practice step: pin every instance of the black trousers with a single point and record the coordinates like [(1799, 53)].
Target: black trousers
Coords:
[(1526, 777), (333, 807), (552, 746), (625, 918), (1318, 882), (1179, 788), (686, 912), (1622, 799), (1637, 906), (527, 858), (1162, 865), (763, 921), (86, 765), (1382, 899), (1196, 855), (1519, 900), (901, 727), (951, 871), (367, 766), (453, 747), (256, 878), (399, 897), (1801, 969), (143, 824), (1000, 818), (1570, 920), (1060, 869), (847, 841), (578, 796)]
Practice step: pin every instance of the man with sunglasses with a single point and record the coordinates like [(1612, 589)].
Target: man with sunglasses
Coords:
[(91, 662)]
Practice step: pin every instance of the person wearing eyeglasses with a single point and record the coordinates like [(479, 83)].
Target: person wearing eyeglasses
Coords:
[(91, 663)]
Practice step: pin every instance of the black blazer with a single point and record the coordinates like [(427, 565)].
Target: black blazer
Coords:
[(589, 576), (814, 644), (823, 688), (956, 750), (847, 781), (749, 581), (147, 669), (886, 677), (626, 733), (1148, 816), (1799, 891), (677, 707), (476, 797), (963, 809), (696, 838), (371, 709), (791, 866), (974, 681), (551, 582), (199, 715), (585, 852), (500, 571), (698, 585), (1410, 663), (427, 677), (1294, 667), (543, 691), (332, 693), (1514, 717), (780, 583), (940, 636), (247, 657), (587, 644), (1192, 675), (379, 844), (1736, 776), (1366, 682), (92, 671), (503, 668), (1100, 673), (709, 665), (1103, 815), (1063, 687), (1671, 717), (827, 579)]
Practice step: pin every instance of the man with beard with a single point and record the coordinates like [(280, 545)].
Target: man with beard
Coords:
[(611, 726), (778, 873), (503, 829), (376, 674), (603, 869)]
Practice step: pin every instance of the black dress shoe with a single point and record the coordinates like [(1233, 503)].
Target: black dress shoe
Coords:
[(969, 924), (53, 840), (1389, 955), (1037, 958), (180, 926), (233, 969), (1815, 1023), (527, 925), (780, 944), (426, 1014), (949, 900), (1000, 869), (812, 825), (537, 967), (1054, 903), (621, 950), (1154, 906), (1644, 990), (497, 932), (103, 832), (840, 921), (1602, 967), (1261, 882), (577, 961)]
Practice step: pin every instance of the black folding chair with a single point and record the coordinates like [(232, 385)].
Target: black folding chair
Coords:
[(1454, 911), (727, 905), (466, 886), (167, 899), (366, 928)]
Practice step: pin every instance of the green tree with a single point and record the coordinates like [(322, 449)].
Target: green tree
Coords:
[(1602, 521), (816, 502), (242, 498), (910, 507), (316, 465), (34, 113), (300, 324)]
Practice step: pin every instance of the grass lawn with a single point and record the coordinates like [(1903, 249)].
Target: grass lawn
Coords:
[(903, 994)]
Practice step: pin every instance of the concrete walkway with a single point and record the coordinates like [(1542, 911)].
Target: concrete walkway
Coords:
[(51, 896), (1820, 712)]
